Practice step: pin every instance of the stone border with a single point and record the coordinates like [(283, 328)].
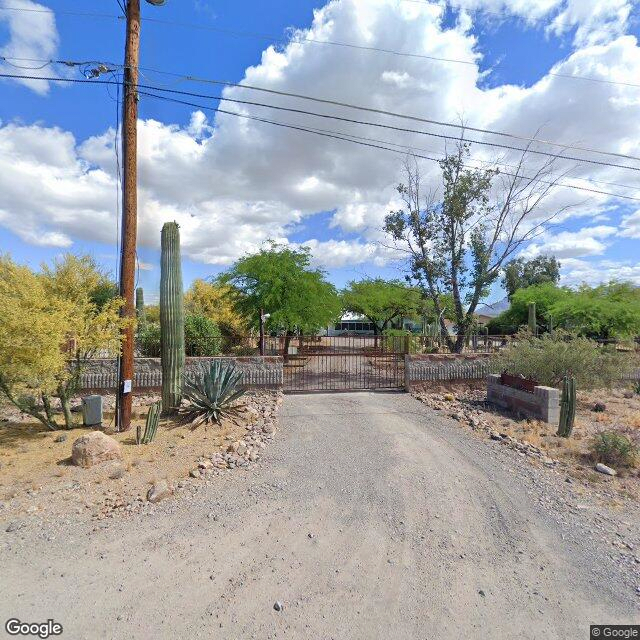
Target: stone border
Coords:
[(257, 372)]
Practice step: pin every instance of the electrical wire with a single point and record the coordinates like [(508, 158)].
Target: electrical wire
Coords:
[(344, 119), (348, 105), (338, 136), (390, 113), (298, 40)]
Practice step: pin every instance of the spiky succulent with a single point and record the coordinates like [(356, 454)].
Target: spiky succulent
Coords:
[(211, 394)]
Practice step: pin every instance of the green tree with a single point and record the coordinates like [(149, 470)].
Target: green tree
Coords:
[(544, 295), (606, 311), (521, 273), (282, 282), (381, 301), (457, 240)]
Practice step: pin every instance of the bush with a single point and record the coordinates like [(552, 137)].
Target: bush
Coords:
[(148, 340), (555, 355), (614, 449), (202, 336)]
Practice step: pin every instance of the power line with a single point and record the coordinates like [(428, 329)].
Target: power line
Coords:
[(344, 119), (390, 113), (338, 136), (299, 39), (362, 108)]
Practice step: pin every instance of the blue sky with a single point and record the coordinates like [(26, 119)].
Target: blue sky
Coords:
[(232, 188)]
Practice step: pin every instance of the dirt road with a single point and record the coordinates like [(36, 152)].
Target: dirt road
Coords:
[(370, 516)]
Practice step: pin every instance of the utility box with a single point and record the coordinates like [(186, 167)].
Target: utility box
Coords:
[(92, 411)]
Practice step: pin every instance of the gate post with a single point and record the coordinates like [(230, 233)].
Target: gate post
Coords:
[(407, 374)]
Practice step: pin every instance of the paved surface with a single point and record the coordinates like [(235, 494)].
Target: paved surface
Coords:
[(370, 516)]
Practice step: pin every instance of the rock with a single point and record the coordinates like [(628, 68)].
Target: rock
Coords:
[(602, 468), (599, 407), (14, 526), (205, 464), (494, 435), (449, 397), (117, 472), (482, 593), (159, 491), (278, 606), (94, 448), (195, 473), (61, 438)]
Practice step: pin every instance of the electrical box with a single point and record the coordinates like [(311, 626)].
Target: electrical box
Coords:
[(92, 411)]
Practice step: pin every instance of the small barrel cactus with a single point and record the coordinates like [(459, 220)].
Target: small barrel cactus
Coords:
[(171, 317)]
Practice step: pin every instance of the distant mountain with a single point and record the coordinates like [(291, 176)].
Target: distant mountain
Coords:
[(492, 309)]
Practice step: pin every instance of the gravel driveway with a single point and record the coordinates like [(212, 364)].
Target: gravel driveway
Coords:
[(370, 516)]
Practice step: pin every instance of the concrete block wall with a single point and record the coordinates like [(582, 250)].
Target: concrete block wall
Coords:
[(543, 404), (257, 371)]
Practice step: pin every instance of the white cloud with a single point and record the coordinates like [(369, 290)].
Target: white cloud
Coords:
[(32, 35), (232, 183), (594, 21), (589, 241), (630, 225), (575, 272)]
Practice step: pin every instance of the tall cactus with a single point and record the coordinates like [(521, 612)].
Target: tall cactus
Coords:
[(171, 317), (140, 303), (567, 407), (532, 318)]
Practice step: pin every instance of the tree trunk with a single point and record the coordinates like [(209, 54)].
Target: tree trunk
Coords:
[(65, 403), (48, 410)]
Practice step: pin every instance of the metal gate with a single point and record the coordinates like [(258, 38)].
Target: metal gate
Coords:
[(335, 363)]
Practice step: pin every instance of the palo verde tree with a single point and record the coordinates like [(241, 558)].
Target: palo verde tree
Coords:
[(381, 301), (280, 281), (457, 238), (51, 322), (520, 273), (94, 323)]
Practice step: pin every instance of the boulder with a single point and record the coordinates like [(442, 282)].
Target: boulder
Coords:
[(94, 448), (599, 407)]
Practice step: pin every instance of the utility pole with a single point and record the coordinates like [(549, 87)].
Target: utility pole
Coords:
[(129, 210)]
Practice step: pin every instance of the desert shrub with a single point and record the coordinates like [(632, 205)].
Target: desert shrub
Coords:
[(555, 355), (201, 336), (614, 449), (148, 340)]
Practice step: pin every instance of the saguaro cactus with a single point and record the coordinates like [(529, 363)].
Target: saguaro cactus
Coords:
[(532, 318), (567, 407), (139, 303), (171, 317)]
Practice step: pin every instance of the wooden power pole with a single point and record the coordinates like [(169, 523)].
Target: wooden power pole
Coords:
[(129, 210)]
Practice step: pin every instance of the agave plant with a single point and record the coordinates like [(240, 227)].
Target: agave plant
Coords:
[(210, 396)]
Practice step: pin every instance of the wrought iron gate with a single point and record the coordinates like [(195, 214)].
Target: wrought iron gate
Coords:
[(333, 363)]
